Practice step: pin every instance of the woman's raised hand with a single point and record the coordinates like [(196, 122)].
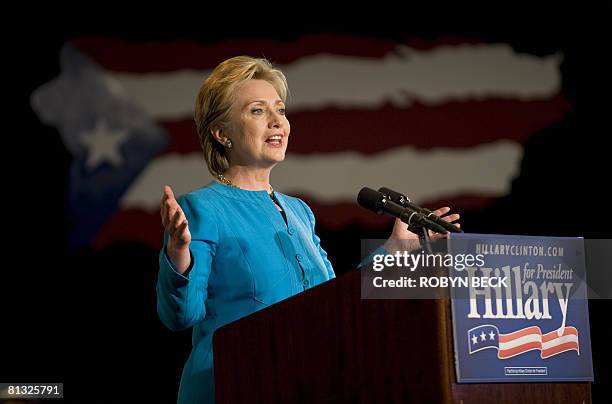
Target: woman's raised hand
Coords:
[(176, 225)]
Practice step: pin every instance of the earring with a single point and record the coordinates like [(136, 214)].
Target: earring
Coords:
[(228, 143)]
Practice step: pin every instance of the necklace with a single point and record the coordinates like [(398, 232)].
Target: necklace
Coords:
[(224, 180)]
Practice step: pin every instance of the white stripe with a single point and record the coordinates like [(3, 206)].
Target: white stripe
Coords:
[(402, 77), (525, 339), (559, 341), (424, 175)]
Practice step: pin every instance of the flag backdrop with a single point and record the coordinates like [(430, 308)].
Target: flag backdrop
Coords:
[(444, 121)]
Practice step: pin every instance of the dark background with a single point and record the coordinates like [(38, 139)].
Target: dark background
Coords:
[(87, 318)]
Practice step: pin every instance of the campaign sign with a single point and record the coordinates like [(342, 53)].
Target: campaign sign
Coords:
[(523, 316)]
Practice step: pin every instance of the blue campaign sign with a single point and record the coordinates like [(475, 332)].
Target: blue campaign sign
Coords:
[(529, 322)]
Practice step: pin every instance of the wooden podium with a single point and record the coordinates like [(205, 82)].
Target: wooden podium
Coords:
[(327, 345)]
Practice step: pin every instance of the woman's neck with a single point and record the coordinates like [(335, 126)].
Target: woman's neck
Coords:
[(252, 179)]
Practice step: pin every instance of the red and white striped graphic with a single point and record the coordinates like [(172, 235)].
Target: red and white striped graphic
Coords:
[(531, 338), (445, 121)]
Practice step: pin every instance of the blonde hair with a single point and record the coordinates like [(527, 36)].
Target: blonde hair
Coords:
[(216, 97)]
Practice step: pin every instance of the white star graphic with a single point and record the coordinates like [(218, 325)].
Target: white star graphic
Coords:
[(474, 339), (492, 335), (103, 144), (483, 336)]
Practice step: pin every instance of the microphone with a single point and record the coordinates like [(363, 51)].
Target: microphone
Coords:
[(404, 201), (379, 203)]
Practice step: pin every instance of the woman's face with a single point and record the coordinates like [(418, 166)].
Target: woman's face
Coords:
[(259, 129)]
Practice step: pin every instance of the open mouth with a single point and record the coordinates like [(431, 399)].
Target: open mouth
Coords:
[(275, 140)]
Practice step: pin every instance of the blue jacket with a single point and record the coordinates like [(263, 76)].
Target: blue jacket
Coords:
[(244, 258)]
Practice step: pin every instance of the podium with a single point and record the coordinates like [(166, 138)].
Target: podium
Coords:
[(327, 345)]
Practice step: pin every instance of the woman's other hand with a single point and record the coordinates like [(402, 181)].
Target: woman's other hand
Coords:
[(402, 239)]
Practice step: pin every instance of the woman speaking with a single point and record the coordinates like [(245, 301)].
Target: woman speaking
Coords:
[(235, 245)]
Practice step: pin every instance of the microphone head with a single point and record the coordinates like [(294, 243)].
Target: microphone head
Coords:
[(371, 200), (394, 196)]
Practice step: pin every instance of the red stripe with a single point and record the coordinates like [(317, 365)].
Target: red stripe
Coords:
[(183, 136), (520, 333), (567, 346), (139, 57), (507, 353), (453, 124), (335, 216), (145, 227), (553, 334), (460, 203), (131, 225), (426, 44)]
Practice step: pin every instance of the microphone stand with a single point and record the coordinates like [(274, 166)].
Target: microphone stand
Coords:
[(423, 234), (424, 237)]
